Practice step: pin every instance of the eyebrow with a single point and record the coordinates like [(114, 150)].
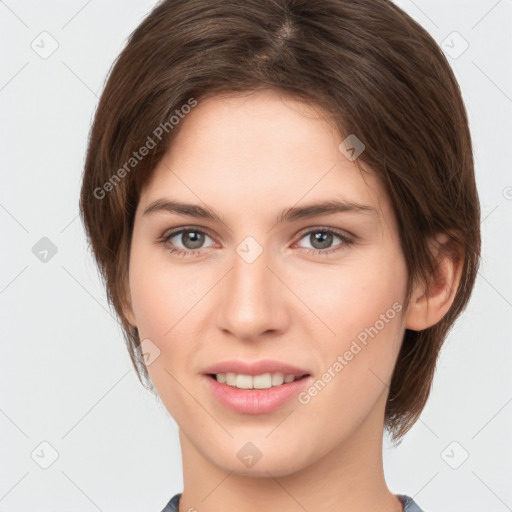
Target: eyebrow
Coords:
[(289, 215)]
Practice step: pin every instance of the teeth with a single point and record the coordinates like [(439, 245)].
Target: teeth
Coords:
[(263, 381)]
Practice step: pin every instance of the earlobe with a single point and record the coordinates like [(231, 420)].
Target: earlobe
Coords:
[(429, 304)]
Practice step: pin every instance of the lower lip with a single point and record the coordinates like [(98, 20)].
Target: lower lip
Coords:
[(256, 401)]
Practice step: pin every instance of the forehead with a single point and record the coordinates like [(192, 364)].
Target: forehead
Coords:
[(255, 151)]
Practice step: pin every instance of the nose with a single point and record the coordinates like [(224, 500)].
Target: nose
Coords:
[(253, 301)]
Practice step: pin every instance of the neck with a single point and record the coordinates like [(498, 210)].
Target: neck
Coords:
[(349, 477)]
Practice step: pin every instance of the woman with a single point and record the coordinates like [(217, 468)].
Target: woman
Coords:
[(281, 199)]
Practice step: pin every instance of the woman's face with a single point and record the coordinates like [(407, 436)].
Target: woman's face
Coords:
[(267, 277)]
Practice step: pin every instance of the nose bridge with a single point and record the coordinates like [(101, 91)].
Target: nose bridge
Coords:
[(252, 296)]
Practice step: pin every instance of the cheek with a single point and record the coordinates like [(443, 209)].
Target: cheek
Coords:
[(161, 300), (152, 311), (351, 297), (160, 293), (167, 302), (363, 307)]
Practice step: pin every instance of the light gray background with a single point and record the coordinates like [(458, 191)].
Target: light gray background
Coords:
[(66, 378)]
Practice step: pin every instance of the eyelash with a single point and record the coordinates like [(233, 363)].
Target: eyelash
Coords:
[(184, 253)]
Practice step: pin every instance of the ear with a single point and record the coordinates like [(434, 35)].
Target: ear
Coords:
[(429, 305), (127, 306)]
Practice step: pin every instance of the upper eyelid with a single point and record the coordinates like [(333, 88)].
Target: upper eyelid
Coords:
[(337, 231), (176, 231)]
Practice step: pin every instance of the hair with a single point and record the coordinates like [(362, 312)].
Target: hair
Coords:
[(366, 63)]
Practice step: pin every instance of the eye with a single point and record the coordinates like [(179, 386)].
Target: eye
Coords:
[(321, 240), (188, 241), (189, 238)]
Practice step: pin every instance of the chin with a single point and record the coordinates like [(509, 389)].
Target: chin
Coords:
[(258, 459)]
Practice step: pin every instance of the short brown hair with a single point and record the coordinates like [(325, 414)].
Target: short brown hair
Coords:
[(365, 62)]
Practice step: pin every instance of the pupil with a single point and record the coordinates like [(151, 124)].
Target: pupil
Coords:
[(192, 239), (323, 239)]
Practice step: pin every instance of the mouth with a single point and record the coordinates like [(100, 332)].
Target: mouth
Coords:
[(255, 387), (255, 394), (262, 374), (255, 382)]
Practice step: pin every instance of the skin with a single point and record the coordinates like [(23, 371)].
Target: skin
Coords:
[(248, 158)]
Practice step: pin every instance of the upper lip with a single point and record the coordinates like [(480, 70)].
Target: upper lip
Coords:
[(255, 368)]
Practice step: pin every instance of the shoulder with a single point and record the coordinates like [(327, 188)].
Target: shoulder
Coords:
[(409, 504), (172, 506)]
